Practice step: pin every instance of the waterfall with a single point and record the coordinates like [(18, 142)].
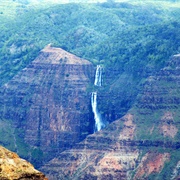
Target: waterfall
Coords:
[(97, 116), (98, 76)]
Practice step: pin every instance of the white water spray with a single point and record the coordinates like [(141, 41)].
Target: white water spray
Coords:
[(98, 76), (97, 116)]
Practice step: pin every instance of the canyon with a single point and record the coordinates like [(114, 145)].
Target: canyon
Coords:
[(143, 144), (47, 118), (101, 101), (46, 108)]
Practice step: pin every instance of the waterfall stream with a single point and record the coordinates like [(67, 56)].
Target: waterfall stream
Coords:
[(97, 116), (98, 76)]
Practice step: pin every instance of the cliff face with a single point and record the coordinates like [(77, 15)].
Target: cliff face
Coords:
[(48, 101), (47, 107), (100, 156), (13, 167), (144, 144), (115, 99), (110, 154), (157, 105)]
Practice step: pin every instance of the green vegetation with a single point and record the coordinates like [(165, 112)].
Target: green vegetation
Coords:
[(167, 171), (131, 37), (134, 39), (11, 138)]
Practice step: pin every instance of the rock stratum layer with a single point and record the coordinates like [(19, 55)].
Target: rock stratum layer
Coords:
[(48, 102), (12, 167), (144, 144)]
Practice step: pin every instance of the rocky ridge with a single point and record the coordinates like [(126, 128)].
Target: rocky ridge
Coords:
[(12, 167), (48, 102)]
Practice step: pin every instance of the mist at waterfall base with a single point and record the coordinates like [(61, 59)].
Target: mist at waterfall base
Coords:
[(99, 123)]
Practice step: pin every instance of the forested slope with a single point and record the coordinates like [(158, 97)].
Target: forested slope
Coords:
[(131, 36)]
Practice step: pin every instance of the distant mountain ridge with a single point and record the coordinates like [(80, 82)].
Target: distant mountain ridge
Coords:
[(58, 1), (101, 32), (79, 1)]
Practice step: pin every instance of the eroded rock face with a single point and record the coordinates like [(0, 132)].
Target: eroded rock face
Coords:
[(168, 127), (151, 163), (48, 101), (159, 102), (100, 156), (12, 167)]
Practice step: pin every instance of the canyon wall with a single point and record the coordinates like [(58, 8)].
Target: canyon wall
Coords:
[(48, 102), (144, 144), (46, 107)]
